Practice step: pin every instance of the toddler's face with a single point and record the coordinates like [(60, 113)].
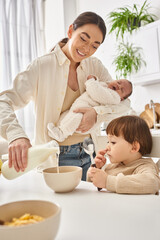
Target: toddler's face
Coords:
[(118, 149), (122, 87)]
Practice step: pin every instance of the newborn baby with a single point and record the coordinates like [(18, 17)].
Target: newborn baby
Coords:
[(97, 93)]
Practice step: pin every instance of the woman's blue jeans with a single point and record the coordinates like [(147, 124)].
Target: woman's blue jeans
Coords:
[(74, 155)]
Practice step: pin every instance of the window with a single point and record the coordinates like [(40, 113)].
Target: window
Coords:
[(21, 41)]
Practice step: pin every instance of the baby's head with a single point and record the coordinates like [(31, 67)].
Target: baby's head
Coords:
[(132, 129), (123, 87)]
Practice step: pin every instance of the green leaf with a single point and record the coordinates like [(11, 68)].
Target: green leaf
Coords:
[(128, 59), (126, 19)]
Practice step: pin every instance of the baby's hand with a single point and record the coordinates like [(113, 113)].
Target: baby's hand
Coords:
[(91, 76), (100, 160)]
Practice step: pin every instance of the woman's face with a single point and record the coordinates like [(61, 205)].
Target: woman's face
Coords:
[(83, 42)]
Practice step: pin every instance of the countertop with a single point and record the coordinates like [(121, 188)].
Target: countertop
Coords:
[(89, 214)]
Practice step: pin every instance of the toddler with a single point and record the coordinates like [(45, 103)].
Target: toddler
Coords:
[(129, 138), (97, 93)]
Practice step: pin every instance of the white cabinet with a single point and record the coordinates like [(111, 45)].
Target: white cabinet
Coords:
[(148, 38)]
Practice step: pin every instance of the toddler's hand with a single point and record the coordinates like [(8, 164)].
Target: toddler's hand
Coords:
[(100, 160), (98, 177)]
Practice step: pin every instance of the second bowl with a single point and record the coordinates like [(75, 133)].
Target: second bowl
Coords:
[(62, 179)]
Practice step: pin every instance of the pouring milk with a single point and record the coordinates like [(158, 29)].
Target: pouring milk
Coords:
[(36, 155)]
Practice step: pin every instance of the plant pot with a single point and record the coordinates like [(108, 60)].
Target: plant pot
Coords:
[(133, 24)]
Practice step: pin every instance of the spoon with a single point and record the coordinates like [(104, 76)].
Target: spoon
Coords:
[(89, 148)]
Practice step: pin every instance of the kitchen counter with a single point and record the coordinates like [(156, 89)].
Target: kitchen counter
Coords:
[(89, 214)]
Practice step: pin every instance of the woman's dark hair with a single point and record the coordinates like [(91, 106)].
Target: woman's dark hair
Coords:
[(90, 18), (87, 18), (132, 128)]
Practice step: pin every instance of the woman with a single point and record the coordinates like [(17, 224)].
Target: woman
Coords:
[(53, 82)]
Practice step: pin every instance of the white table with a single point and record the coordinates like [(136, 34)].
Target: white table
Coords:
[(89, 214)]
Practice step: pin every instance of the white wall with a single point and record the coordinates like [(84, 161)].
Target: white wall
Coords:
[(54, 22), (70, 13), (141, 95), (59, 14)]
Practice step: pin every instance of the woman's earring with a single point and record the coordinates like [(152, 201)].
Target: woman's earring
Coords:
[(70, 31), (69, 34)]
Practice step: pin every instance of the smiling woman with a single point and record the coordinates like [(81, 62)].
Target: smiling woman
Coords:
[(83, 42), (57, 79)]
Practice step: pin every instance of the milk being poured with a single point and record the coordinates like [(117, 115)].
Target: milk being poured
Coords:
[(53, 160), (36, 155), (56, 154), (57, 162)]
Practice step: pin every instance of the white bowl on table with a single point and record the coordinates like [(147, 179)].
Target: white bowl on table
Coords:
[(43, 230), (66, 180)]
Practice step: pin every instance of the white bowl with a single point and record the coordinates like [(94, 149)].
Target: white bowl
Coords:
[(46, 229), (65, 181)]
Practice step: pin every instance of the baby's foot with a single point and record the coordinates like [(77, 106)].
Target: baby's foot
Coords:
[(50, 126), (55, 132)]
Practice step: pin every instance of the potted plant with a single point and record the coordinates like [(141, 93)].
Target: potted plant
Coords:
[(130, 18), (128, 59)]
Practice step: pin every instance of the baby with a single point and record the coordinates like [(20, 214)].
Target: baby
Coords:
[(97, 93), (129, 139)]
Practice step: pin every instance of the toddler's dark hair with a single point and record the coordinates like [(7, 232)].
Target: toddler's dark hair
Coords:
[(132, 128)]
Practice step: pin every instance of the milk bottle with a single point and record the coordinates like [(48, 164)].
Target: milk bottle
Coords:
[(36, 155)]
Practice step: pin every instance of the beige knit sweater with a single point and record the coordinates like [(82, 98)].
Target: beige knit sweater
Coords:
[(137, 177)]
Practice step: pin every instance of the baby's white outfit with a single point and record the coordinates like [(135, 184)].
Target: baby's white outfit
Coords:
[(97, 93)]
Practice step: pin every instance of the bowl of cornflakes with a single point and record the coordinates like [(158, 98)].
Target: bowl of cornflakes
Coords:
[(29, 219), (62, 179)]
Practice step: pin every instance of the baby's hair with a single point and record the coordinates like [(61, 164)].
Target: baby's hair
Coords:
[(130, 91), (132, 128)]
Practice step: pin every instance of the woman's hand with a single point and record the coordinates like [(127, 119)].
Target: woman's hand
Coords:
[(100, 160), (18, 150), (88, 120), (98, 177)]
